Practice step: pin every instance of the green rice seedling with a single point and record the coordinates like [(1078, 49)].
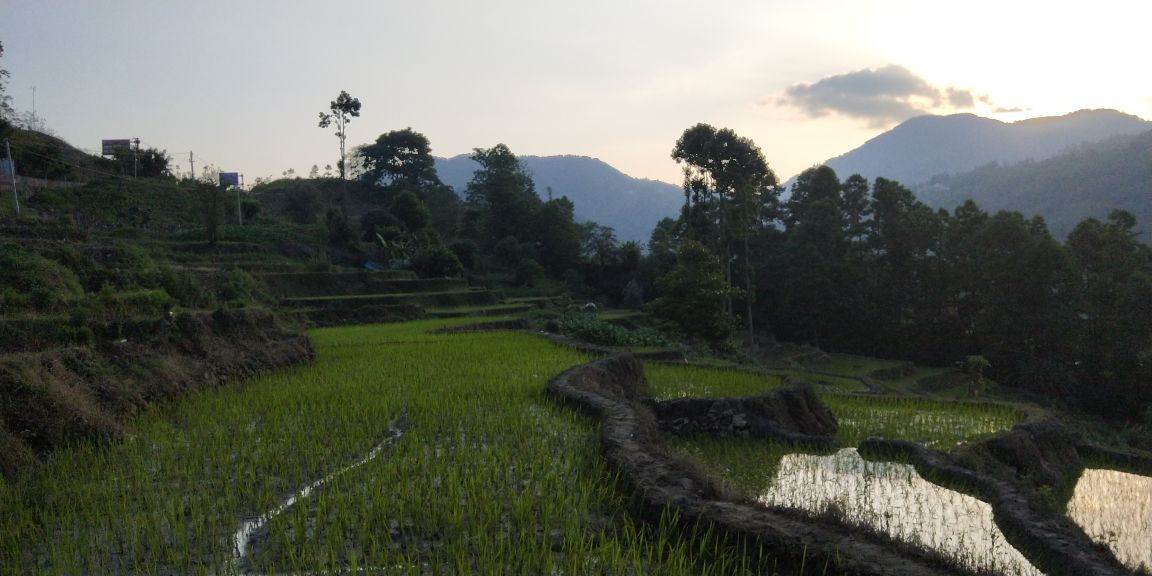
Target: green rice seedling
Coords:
[(851, 365), (747, 465), (936, 424), (488, 475), (682, 380)]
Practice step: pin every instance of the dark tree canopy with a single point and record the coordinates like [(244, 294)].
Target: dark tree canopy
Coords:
[(145, 163), (693, 295), (727, 185), (401, 157), (505, 194)]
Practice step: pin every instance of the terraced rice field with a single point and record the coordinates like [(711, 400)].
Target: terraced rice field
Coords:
[(401, 451), (485, 476), (886, 497)]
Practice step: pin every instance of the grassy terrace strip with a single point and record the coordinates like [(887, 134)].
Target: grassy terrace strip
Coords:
[(679, 380), (382, 296), (442, 299), (488, 477), (492, 310), (936, 424)]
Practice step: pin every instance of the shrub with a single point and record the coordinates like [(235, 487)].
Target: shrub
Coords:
[(437, 262), (589, 328), (528, 271), (241, 289), (339, 230), (301, 205), (465, 251)]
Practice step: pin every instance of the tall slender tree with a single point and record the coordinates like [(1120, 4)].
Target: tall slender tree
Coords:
[(726, 180), (341, 111)]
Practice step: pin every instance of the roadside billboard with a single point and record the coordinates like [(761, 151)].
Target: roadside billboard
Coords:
[(109, 147)]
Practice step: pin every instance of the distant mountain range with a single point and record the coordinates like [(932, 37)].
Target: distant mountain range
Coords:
[(1063, 168), (601, 193), (1087, 181), (928, 146)]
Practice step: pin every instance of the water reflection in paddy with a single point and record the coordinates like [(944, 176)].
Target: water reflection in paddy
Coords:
[(1115, 508), (893, 499)]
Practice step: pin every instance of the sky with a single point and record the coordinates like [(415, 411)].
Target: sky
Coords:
[(241, 83)]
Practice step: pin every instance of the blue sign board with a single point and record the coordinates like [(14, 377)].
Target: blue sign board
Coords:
[(228, 179)]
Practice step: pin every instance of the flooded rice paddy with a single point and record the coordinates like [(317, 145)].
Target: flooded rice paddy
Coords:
[(893, 499), (1115, 508)]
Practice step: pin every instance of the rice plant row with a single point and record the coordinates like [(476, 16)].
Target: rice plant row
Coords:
[(487, 477)]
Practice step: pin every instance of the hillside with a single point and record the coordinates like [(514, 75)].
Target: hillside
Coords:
[(48, 157), (1087, 181), (927, 146), (601, 193)]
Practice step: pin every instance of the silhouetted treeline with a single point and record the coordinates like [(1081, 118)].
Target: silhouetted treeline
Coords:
[(863, 267)]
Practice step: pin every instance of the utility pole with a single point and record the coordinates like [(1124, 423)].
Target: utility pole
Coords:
[(12, 167), (192, 163), (135, 158), (239, 212)]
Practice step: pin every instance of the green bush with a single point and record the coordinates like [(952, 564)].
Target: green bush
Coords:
[(31, 280), (588, 328), (437, 262), (528, 271), (131, 303), (241, 289)]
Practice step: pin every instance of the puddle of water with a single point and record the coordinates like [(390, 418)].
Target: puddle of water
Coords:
[(1115, 508), (894, 500)]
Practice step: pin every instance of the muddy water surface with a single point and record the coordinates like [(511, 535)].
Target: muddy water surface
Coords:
[(1115, 508), (894, 500)]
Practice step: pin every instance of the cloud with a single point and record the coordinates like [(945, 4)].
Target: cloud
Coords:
[(881, 97)]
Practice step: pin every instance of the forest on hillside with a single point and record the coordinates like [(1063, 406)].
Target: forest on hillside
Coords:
[(850, 265)]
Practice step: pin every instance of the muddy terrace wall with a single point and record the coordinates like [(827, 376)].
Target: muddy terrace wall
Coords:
[(49, 399), (612, 389)]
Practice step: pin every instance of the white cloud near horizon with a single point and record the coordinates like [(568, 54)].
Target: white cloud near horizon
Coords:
[(881, 96)]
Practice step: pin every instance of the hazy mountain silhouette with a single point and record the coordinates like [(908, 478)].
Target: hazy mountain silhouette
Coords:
[(601, 193), (1089, 180), (927, 146)]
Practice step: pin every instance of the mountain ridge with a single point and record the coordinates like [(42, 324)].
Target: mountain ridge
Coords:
[(924, 147), (600, 192), (1086, 181)]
